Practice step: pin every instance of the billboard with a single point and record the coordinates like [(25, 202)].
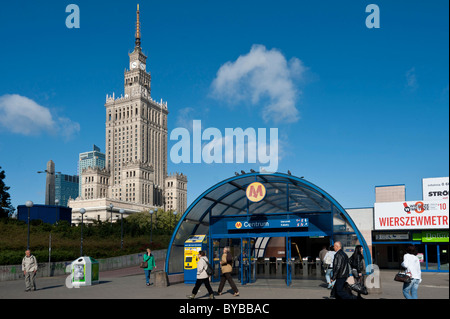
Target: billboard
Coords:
[(411, 215), (435, 188)]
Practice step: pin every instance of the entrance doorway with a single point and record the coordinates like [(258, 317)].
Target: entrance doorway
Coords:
[(284, 258)]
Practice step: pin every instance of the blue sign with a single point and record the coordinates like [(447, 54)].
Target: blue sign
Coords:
[(268, 223)]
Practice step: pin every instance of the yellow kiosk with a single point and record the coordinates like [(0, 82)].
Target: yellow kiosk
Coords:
[(192, 246)]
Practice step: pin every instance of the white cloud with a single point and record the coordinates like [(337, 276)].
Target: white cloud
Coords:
[(262, 74), (21, 115), (185, 117)]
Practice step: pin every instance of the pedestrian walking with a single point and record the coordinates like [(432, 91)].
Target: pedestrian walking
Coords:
[(150, 260), (202, 276), (29, 268), (358, 267), (412, 265), (322, 254), (328, 266), (340, 273), (226, 268)]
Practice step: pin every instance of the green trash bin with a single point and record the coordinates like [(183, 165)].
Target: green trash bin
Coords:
[(85, 272)]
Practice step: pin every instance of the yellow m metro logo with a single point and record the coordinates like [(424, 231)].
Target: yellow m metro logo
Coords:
[(256, 192)]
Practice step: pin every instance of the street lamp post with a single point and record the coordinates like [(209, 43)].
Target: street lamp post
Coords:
[(56, 216), (111, 206), (29, 204), (50, 183), (121, 211), (82, 211), (151, 225)]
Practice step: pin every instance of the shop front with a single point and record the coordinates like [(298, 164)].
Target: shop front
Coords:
[(420, 223)]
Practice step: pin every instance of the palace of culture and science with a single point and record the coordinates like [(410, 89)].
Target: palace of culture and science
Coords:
[(135, 176)]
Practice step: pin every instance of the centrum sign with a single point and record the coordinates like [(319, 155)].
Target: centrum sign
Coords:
[(411, 215), (272, 223)]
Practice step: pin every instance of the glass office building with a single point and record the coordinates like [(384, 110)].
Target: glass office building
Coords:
[(94, 159), (66, 186)]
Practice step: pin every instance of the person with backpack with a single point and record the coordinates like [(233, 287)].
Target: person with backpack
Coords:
[(29, 268), (328, 266), (203, 273)]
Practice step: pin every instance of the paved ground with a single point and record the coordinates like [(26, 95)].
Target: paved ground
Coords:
[(129, 283)]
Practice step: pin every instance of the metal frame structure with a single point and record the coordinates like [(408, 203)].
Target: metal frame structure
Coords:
[(287, 196)]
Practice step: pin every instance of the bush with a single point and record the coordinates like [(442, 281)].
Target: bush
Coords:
[(10, 257), (100, 240)]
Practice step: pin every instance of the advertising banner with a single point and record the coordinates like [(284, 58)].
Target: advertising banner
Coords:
[(435, 188), (411, 215)]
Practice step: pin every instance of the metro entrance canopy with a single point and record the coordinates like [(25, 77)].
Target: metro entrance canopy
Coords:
[(287, 206)]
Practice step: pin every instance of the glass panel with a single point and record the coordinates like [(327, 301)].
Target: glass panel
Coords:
[(340, 223), (432, 257), (176, 259), (221, 191), (349, 241), (421, 254)]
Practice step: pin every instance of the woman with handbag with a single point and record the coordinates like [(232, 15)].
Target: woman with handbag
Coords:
[(412, 265), (357, 265), (226, 268), (148, 265)]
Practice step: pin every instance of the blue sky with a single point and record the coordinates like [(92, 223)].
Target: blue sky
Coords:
[(355, 107)]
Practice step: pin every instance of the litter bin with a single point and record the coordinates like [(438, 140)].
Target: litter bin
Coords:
[(85, 271)]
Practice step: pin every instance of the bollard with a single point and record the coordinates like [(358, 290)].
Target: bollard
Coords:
[(161, 279)]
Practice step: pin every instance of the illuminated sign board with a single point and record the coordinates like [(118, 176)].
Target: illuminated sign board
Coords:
[(268, 223)]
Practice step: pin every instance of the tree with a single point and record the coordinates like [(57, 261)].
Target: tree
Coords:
[(6, 208), (164, 221)]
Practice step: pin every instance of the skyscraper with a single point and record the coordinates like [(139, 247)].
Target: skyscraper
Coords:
[(66, 186), (50, 184), (94, 159), (136, 134), (135, 148)]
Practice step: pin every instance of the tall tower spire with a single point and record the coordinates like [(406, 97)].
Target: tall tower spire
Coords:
[(138, 29)]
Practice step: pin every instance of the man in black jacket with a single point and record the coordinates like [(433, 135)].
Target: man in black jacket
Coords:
[(340, 272)]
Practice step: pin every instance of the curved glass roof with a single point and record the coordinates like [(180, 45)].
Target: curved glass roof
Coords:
[(284, 194)]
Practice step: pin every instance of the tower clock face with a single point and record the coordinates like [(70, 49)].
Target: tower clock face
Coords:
[(133, 65), (142, 65)]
